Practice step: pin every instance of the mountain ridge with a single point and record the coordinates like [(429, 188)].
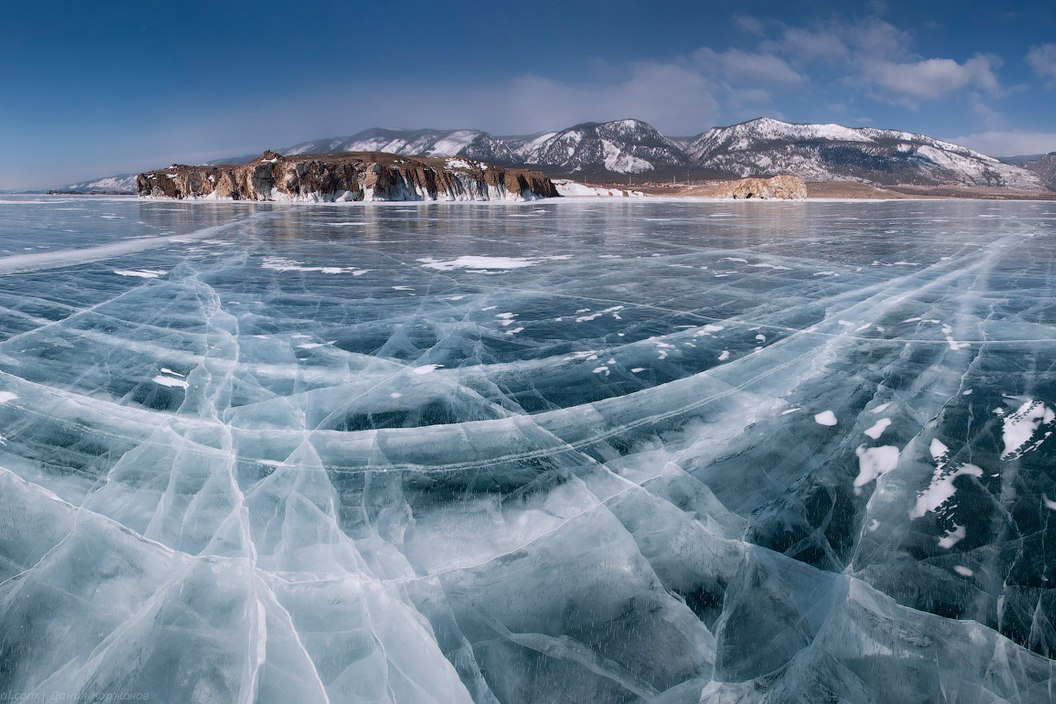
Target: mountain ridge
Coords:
[(832, 152), (762, 147)]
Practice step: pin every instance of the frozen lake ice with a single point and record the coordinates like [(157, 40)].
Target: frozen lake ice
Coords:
[(548, 452)]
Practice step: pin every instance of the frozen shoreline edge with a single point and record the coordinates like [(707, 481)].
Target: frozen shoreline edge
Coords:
[(513, 202)]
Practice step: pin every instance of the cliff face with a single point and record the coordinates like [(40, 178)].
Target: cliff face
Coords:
[(783, 187), (350, 176), (1045, 168)]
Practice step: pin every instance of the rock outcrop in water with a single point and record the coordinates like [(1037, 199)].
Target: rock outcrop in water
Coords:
[(350, 176), (783, 187)]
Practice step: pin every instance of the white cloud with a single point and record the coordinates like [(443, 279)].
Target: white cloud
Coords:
[(683, 96), (739, 67), (749, 98), (671, 96), (805, 45), (914, 82), (876, 56), (749, 24), (1042, 60), (873, 37), (842, 42), (1009, 143), (982, 108)]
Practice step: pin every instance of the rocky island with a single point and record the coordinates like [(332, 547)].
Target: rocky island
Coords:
[(347, 176), (780, 187)]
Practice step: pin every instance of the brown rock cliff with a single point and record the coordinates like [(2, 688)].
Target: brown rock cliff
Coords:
[(348, 176)]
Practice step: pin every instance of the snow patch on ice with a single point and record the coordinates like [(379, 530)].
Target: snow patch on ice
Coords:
[(141, 273), (568, 188), (479, 262), (163, 380), (941, 489), (953, 537), (874, 462), (283, 264), (877, 429), (825, 418), (1020, 428)]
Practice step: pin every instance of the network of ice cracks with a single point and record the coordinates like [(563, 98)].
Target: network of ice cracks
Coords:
[(560, 452)]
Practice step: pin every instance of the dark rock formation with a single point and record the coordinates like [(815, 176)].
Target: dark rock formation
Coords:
[(1045, 167), (347, 176)]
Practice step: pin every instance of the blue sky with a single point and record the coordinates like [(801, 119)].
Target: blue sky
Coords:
[(91, 89)]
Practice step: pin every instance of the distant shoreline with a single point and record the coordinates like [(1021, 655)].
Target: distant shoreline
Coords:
[(824, 191), (858, 191)]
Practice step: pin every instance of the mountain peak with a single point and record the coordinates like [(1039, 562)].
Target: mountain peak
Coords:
[(626, 146), (764, 120)]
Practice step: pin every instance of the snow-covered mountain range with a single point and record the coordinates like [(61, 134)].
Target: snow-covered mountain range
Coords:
[(634, 149), (473, 144), (829, 152), (121, 183), (619, 147)]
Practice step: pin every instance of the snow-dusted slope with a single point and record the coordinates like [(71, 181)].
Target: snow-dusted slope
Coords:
[(1045, 168), (829, 152), (122, 183), (621, 146), (526, 144), (618, 147), (469, 143)]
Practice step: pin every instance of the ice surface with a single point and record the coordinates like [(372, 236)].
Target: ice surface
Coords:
[(527, 452)]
